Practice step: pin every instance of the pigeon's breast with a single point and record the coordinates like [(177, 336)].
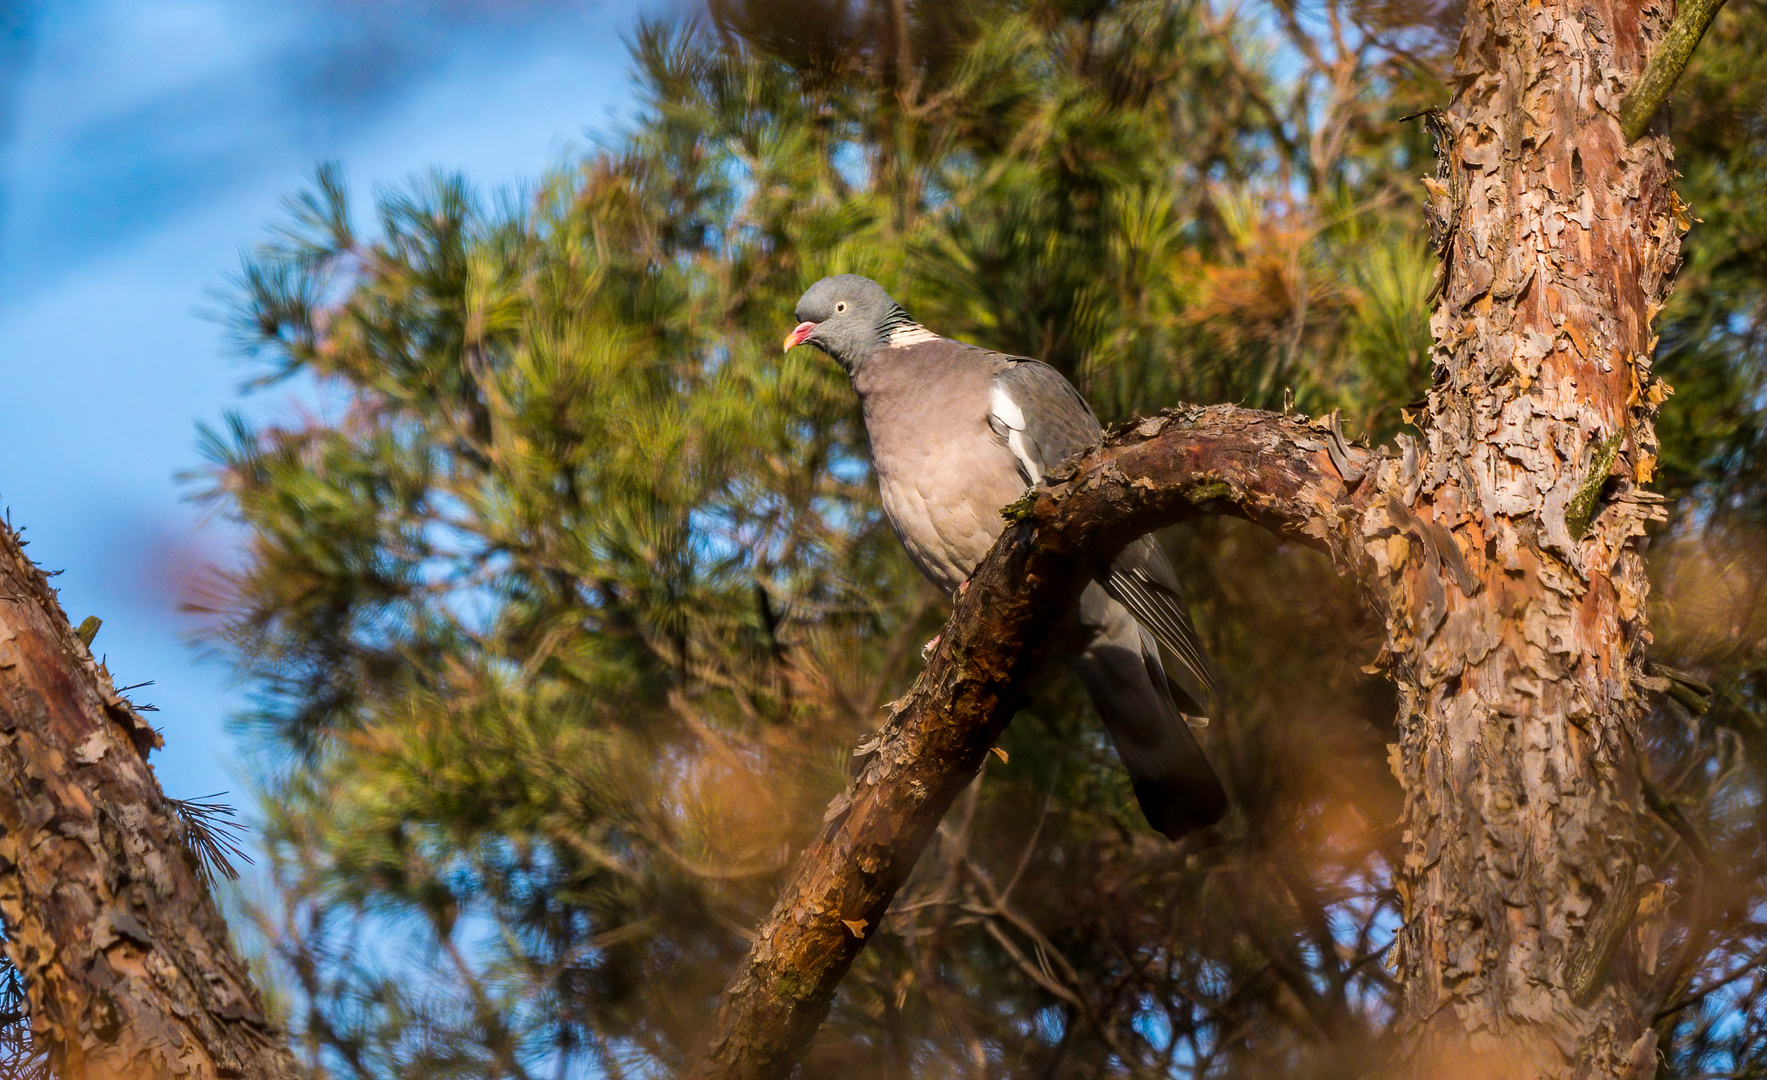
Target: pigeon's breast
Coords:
[(942, 473)]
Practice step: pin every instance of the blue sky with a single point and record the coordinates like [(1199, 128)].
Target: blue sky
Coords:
[(143, 145)]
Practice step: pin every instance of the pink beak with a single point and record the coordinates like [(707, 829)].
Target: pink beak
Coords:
[(796, 337)]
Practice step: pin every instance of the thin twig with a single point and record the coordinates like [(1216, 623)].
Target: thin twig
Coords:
[(1647, 95)]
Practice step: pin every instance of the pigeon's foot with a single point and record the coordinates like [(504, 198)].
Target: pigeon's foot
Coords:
[(927, 649), (963, 588)]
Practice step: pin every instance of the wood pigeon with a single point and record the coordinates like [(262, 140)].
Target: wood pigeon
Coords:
[(957, 433)]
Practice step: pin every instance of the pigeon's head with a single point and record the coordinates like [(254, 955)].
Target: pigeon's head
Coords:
[(846, 316)]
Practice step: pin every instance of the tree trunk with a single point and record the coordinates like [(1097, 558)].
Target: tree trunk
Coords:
[(126, 959), (1517, 669)]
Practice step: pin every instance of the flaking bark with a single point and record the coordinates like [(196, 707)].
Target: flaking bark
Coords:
[(127, 962), (1519, 690)]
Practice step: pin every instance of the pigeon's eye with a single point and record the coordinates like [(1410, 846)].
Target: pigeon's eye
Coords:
[(840, 307)]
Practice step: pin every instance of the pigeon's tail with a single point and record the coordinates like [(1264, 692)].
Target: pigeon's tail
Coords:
[(1120, 668)]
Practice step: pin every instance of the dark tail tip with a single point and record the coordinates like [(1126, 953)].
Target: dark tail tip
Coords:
[(1177, 810)]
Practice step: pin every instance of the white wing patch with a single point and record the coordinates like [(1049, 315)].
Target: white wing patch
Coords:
[(911, 334), (1003, 412)]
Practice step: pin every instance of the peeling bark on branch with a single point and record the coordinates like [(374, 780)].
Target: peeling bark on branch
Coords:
[(127, 961), (1277, 471)]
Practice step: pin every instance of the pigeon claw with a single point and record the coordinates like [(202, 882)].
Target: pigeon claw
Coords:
[(927, 649)]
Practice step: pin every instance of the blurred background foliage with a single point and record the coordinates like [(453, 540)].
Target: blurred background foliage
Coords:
[(566, 604)]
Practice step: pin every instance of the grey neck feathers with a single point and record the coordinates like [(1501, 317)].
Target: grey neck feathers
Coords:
[(898, 329), (895, 328), (895, 320)]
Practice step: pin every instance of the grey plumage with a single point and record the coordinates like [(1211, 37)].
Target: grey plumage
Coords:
[(957, 432), (1057, 424)]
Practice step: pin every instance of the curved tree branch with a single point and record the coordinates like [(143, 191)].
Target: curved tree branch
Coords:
[(1281, 472), (125, 956)]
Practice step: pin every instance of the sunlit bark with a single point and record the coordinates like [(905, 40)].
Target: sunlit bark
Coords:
[(1519, 685), (127, 962)]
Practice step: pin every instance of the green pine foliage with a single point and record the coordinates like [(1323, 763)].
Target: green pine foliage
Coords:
[(566, 603)]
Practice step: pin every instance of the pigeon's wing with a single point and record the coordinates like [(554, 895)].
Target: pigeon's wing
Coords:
[(1040, 416), (1121, 670), (1142, 580), (1045, 421)]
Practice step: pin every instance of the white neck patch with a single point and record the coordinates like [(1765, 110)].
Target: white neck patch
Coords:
[(911, 334)]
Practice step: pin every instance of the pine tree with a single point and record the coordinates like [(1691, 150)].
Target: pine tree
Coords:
[(566, 612)]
